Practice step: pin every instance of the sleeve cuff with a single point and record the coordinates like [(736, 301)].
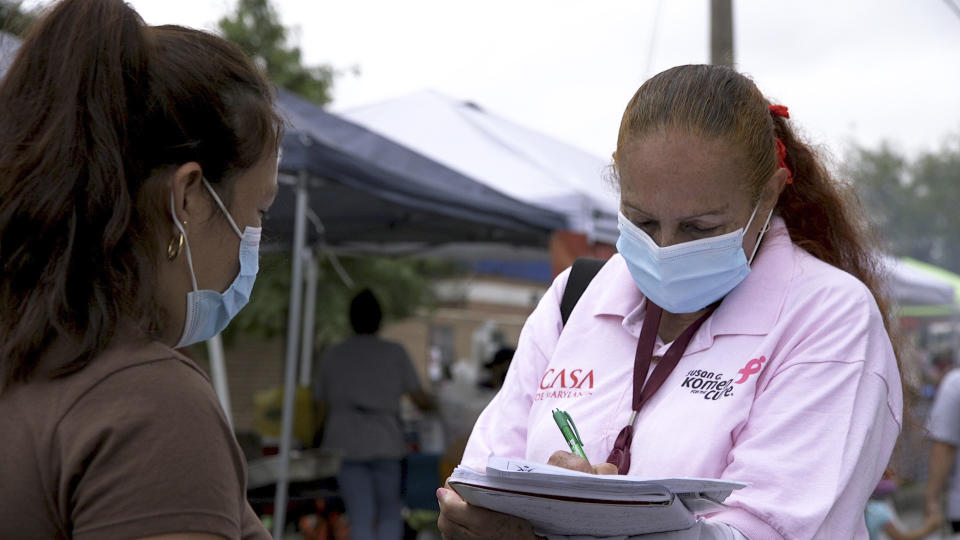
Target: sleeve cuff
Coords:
[(166, 523)]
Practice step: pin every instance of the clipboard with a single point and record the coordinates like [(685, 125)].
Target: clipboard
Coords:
[(564, 502)]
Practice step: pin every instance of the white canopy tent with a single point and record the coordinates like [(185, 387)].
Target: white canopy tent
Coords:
[(911, 286), (922, 291), (522, 163)]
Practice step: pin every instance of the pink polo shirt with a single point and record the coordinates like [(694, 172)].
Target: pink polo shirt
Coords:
[(791, 385)]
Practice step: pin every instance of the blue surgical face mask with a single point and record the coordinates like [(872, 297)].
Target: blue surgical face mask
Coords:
[(687, 277), (209, 312)]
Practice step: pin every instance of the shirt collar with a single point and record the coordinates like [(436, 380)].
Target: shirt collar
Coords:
[(752, 308)]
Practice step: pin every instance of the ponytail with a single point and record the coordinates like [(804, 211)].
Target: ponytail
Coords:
[(825, 217), (64, 109), (93, 109), (822, 214)]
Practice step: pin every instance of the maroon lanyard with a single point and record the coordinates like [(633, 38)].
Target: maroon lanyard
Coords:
[(620, 455)]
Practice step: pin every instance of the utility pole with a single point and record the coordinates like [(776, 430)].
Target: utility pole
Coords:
[(721, 32)]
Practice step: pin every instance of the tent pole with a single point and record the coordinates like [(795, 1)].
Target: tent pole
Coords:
[(218, 372), (309, 316), (290, 375)]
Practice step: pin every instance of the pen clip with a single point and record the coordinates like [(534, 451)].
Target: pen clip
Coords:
[(569, 420)]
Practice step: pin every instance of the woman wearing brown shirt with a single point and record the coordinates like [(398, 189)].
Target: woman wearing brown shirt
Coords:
[(136, 163)]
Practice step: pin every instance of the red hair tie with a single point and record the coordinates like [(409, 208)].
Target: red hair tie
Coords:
[(780, 110), (783, 112)]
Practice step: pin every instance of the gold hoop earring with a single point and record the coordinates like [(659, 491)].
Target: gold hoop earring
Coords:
[(175, 246)]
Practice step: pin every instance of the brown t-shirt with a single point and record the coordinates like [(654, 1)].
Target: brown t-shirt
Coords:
[(133, 445)]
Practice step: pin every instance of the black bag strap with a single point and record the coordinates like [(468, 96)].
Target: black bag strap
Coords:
[(581, 274)]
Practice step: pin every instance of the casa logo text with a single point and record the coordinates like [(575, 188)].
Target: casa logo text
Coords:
[(565, 383)]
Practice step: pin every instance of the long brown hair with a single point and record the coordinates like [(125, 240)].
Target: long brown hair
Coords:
[(94, 110), (822, 214)]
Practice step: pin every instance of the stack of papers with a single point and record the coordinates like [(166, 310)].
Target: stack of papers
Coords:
[(565, 502)]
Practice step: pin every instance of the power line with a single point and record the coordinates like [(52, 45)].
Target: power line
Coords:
[(953, 7)]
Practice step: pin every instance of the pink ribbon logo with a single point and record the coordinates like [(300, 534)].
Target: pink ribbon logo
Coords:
[(753, 366)]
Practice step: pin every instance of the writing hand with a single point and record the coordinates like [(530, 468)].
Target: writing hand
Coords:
[(574, 462)]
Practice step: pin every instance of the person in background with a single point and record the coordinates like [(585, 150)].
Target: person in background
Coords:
[(136, 165), (933, 373), (944, 431), (497, 368), (461, 404), (740, 333), (882, 520), (361, 381)]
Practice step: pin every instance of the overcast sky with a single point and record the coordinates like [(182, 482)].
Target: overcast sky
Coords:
[(850, 70)]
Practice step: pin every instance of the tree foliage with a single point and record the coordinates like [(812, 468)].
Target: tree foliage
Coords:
[(255, 26), (913, 202), (14, 19), (402, 286)]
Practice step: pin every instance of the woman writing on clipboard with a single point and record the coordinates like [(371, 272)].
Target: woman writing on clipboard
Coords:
[(739, 334)]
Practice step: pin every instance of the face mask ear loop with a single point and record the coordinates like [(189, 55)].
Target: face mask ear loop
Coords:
[(752, 215), (222, 207), (760, 236), (186, 243)]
